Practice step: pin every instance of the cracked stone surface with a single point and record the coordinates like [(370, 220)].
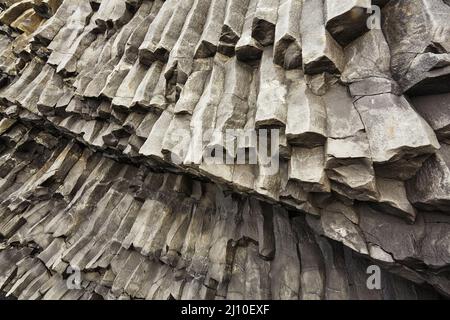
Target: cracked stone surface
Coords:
[(103, 105)]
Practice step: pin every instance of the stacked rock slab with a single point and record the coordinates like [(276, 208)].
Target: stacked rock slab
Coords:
[(108, 110)]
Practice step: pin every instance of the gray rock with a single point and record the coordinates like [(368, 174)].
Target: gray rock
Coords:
[(395, 131), (436, 111), (347, 20), (429, 189), (321, 53), (271, 105), (287, 40), (307, 167), (420, 61), (106, 117), (306, 114), (266, 16)]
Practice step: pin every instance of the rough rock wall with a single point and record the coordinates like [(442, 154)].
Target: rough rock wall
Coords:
[(102, 101)]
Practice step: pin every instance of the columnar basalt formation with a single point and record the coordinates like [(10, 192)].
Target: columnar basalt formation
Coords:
[(109, 110)]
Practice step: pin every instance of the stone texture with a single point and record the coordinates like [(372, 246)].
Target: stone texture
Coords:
[(429, 188), (110, 109)]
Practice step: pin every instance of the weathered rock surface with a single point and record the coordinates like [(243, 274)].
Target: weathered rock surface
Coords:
[(429, 189), (419, 44), (110, 111)]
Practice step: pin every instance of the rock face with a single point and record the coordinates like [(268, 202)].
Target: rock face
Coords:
[(132, 149)]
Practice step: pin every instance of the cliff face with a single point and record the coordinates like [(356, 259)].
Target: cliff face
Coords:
[(110, 108)]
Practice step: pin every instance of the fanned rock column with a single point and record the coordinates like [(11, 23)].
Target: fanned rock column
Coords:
[(111, 112)]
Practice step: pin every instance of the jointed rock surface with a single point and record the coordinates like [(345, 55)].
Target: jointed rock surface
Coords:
[(102, 103)]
